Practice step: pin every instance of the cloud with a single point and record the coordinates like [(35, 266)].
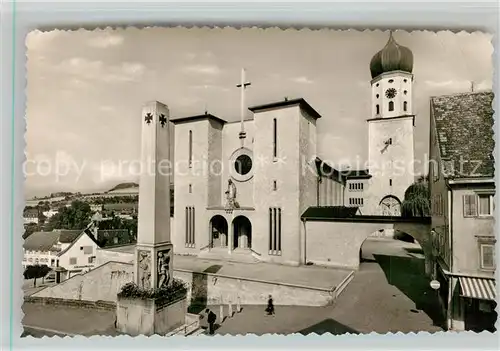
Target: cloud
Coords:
[(302, 80), (98, 71), (105, 40), (211, 70)]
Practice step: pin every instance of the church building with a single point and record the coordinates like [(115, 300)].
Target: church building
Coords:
[(241, 187)]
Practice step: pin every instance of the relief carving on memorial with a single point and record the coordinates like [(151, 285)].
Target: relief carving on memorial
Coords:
[(144, 273), (164, 268)]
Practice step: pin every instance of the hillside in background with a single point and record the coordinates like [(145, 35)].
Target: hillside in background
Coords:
[(124, 186)]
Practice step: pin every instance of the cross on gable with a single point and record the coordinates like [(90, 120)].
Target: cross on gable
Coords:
[(163, 120), (148, 118)]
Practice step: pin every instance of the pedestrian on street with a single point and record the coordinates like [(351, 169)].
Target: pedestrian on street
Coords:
[(270, 306), (211, 318)]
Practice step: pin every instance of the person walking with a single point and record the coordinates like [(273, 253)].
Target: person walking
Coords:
[(270, 306), (211, 318)]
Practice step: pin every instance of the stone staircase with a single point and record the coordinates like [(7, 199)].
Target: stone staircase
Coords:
[(237, 255), (190, 328)]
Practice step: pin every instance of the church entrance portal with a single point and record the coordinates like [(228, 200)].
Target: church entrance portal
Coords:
[(242, 229), (218, 231)]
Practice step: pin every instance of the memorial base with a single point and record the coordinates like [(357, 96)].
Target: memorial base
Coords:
[(135, 316)]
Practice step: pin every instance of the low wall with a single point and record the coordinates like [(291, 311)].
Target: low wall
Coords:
[(100, 305), (215, 289), (104, 282)]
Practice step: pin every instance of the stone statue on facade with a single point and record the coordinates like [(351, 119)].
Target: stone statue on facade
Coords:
[(163, 268), (231, 194), (144, 269)]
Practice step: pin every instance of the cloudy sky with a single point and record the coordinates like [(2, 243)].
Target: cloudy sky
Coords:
[(86, 88)]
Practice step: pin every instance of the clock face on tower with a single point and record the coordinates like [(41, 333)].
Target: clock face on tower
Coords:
[(390, 93), (390, 206)]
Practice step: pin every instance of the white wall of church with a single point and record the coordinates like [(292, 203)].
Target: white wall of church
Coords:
[(231, 142), (402, 82), (307, 167), (285, 171), (215, 193), (391, 166), (191, 184)]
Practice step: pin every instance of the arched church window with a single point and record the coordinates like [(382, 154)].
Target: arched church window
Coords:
[(378, 109), (405, 106), (405, 92), (391, 106)]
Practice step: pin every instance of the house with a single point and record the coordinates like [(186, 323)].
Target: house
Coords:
[(50, 213), (462, 188), (42, 247), (31, 215), (79, 256)]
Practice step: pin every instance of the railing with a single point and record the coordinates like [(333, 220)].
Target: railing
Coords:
[(255, 252)]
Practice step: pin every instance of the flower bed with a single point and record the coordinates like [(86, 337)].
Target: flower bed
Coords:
[(161, 296)]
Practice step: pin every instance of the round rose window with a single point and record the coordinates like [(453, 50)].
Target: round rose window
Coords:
[(243, 164)]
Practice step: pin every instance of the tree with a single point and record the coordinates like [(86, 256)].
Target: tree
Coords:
[(36, 271), (30, 228), (75, 217), (417, 201)]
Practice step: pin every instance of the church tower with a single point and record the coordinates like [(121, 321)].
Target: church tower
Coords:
[(390, 129)]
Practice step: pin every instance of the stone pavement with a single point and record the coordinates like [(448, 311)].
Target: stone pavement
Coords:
[(388, 294), (309, 276)]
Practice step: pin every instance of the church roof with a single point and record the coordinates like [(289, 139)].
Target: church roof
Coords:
[(392, 57), (300, 101), (197, 118), (464, 126)]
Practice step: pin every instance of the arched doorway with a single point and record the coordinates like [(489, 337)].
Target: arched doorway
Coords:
[(218, 231), (242, 229), (390, 206)]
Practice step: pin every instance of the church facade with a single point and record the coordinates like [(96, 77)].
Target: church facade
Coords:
[(241, 187)]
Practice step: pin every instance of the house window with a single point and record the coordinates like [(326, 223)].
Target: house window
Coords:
[(87, 250), (274, 231), (190, 229), (470, 206), (405, 106), (391, 106), (378, 109), (91, 259), (190, 160), (72, 260), (275, 138), (487, 256), (485, 204)]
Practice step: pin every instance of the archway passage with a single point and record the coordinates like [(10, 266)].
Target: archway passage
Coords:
[(218, 231), (242, 229)]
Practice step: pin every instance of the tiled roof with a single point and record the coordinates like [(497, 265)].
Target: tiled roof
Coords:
[(68, 236), (464, 126), (41, 241), (356, 173), (87, 232), (30, 212), (330, 212)]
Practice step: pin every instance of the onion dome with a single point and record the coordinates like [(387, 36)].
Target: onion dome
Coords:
[(393, 57)]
